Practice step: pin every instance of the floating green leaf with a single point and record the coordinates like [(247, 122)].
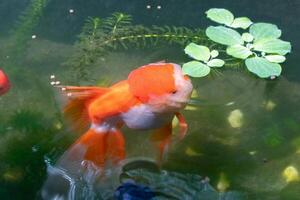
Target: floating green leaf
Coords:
[(215, 63), (220, 15), (238, 51), (197, 52), (223, 35), (195, 69), (275, 58), (247, 37), (214, 53), (262, 67), (241, 22), (270, 45), (265, 30)]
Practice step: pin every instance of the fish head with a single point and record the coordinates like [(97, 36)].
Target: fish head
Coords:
[(163, 86)]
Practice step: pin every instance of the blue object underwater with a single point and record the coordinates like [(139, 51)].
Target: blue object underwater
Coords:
[(133, 191)]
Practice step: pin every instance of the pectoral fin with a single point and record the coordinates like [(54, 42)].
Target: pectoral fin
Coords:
[(183, 127), (163, 137)]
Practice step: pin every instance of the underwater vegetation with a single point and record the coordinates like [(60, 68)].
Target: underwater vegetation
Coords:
[(24, 143), (26, 24), (100, 36), (261, 47)]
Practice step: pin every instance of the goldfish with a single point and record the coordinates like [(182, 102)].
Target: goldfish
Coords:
[(149, 98), (4, 83)]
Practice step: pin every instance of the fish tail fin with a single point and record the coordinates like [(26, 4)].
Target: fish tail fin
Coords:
[(94, 144), (115, 146), (97, 147), (76, 109)]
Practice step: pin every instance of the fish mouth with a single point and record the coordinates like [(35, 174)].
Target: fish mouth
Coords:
[(194, 102)]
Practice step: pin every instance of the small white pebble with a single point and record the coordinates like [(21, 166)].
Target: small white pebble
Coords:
[(52, 83), (63, 89), (52, 76), (272, 77), (57, 82), (230, 103), (34, 149), (148, 7), (33, 36), (159, 7), (71, 11), (69, 94)]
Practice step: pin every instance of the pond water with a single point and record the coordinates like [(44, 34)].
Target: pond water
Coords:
[(243, 140)]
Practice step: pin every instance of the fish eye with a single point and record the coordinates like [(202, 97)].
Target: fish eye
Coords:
[(174, 92)]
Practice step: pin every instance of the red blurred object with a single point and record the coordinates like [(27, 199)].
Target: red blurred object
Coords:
[(4, 83)]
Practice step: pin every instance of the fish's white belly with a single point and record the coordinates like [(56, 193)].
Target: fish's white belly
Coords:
[(142, 117)]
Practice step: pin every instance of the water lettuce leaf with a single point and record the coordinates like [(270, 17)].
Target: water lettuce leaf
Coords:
[(223, 35), (220, 15), (264, 30), (195, 69), (215, 63), (241, 22), (262, 67), (214, 53), (247, 37), (271, 45), (238, 51), (275, 58), (197, 52)]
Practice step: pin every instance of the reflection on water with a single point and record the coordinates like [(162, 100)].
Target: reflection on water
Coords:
[(135, 179), (86, 182)]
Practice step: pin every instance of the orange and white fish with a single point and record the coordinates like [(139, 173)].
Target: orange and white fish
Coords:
[(149, 99), (4, 83)]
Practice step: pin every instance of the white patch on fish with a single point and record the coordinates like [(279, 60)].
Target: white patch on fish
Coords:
[(142, 117)]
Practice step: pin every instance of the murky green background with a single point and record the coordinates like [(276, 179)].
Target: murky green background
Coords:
[(250, 158)]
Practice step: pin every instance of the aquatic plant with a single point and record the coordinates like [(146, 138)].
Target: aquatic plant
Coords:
[(27, 139), (261, 47), (23, 145), (205, 60), (26, 121), (26, 23), (100, 36)]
